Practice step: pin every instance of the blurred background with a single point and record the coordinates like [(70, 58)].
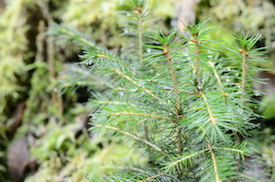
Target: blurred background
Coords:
[(44, 120)]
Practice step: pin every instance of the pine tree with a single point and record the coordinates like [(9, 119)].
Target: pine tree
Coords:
[(182, 104)]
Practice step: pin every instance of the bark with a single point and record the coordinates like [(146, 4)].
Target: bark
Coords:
[(186, 13)]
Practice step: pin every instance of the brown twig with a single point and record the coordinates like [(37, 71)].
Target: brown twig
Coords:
[(197, 71), (214, 161), (140, 36), (211, 117), (172, 71), (123, 168), (244, 68), (141, 114), (152, 177)]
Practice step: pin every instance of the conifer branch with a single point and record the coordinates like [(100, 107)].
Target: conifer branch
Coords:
[(172, 71), (81, 83), (244, 69), (187, 157), (123, 167), (169, 58), (139, 12), (179, 141), (140, 34), (229, 149), (197, 57), (211, 117), (197, 110), (140, 61), (212, 156), (103, 56), (124, 89), (140, 114), (137, 138), (152, 177), (214, 161), (115, 103), (134, 82)]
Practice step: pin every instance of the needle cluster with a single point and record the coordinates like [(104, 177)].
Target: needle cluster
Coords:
[(189, 112)]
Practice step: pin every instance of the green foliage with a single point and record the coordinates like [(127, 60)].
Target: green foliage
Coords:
[(100, 19), (254, 16), (13, 52), (240, 15), (134, 91), (138, 23), (64, 157), (190, 114), (39, 96), (13, 70)]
